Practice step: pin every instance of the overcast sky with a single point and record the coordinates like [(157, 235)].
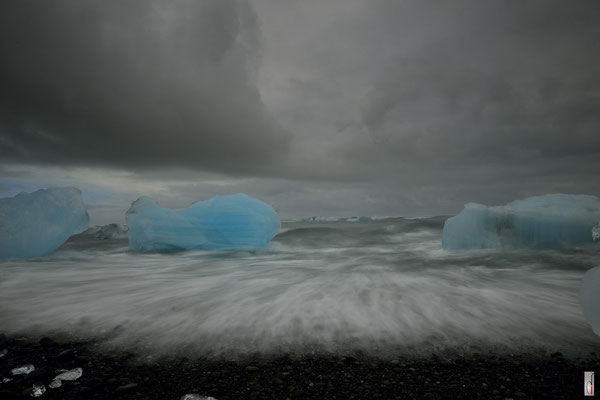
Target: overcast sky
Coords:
[(319, 107)]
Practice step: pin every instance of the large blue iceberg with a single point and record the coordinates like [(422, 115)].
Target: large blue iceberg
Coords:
[(232, 221), (589, 298), (35, 224), (551, 220)]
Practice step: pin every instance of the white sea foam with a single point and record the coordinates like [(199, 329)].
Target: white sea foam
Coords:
[(354, 287)]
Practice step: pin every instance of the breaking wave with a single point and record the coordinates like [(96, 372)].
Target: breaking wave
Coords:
[(380, 287)]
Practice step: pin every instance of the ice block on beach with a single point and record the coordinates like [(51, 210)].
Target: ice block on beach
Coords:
[(231, 221), (35, 224), (551, 220)]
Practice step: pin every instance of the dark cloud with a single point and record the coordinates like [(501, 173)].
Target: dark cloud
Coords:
[(408, 107), (503, 82), (134, 83), (427, 92)]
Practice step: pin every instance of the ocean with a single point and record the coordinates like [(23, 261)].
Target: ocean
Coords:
[(381, 288)]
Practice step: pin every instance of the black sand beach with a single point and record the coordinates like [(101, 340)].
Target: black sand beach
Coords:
[(122, 376)]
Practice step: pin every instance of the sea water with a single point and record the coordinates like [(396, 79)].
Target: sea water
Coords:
[(379, 287)]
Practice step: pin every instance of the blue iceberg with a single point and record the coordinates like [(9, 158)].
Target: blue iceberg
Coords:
[(35, 224), (551, 220), (232, 221), (589, 298)]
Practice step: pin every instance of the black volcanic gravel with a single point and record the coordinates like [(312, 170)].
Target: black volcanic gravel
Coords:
[(478, 376)]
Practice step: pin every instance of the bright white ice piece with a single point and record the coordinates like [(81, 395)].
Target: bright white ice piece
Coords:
[(38, 390), (70, 375), (23, 369), (56, 383)]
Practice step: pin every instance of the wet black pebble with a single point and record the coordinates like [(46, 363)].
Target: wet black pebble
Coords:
[(6, 395), (41, 374), (85, 391), (47, 343), (94, 383)]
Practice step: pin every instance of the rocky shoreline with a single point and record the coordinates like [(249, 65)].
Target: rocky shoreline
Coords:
[(117, 376)]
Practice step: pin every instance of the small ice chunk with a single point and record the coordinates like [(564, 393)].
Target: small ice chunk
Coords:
[(589, 298), (232, 221), (23, 369), (6, 380), (552, 220), (193, 396), (3, 352), (70, 375), (323, 219), (35, 224), (38, 390), (56, 383), (596, 232)]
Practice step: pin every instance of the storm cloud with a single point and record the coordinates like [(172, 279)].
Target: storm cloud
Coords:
[(134, 83), (414, 89), (338, 106)]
